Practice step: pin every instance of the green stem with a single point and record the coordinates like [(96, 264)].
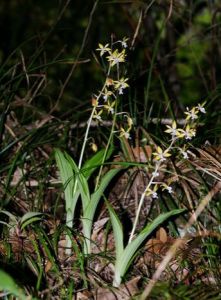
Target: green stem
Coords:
[(89, 123), (107, 147), (140, 205), (86, 138), (110, 137), (69, 217), (69, 223), (144, 194)]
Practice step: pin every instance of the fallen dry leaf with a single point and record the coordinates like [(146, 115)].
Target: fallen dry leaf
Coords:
[(124, 292)]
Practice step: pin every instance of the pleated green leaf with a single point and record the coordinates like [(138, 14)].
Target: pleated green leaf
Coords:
[(126, 256), (117, 231), (68, 180), (89, 212)]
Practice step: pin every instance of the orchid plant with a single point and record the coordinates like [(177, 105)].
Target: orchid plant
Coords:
[(73, 175), (126, 254)]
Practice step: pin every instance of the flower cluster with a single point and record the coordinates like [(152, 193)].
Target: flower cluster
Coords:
[(153, 192), (105, 103), (189, 130), (160, 156)]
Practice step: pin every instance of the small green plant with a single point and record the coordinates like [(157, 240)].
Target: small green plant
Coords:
[(178, 146), (164, 171), (74, 177), (125, 255), (70, 175), (23, 222)]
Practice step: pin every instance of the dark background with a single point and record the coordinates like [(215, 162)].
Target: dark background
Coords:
[(42, 40)]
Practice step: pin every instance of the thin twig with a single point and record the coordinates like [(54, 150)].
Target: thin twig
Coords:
[(137, 29), (164, 121)]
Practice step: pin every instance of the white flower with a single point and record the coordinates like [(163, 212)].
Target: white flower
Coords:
[(154, 195), (192, 114), (106, 94), (110, 107), (127, 135), (103, 49), (184, 153), (161, 155), (152, 192), (111, 110), (121, 91), (155, 174), (97, 115), (124, 133), (169, 189), (124, 42), (189, 132), (201, 108), (120, 85), (175, 133), (116, 57)]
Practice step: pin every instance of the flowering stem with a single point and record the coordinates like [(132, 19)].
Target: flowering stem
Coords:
[(89, 123), (110, 137), (144, 194), (70, 215), (107, 147), (86, 137), (141, 203)]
